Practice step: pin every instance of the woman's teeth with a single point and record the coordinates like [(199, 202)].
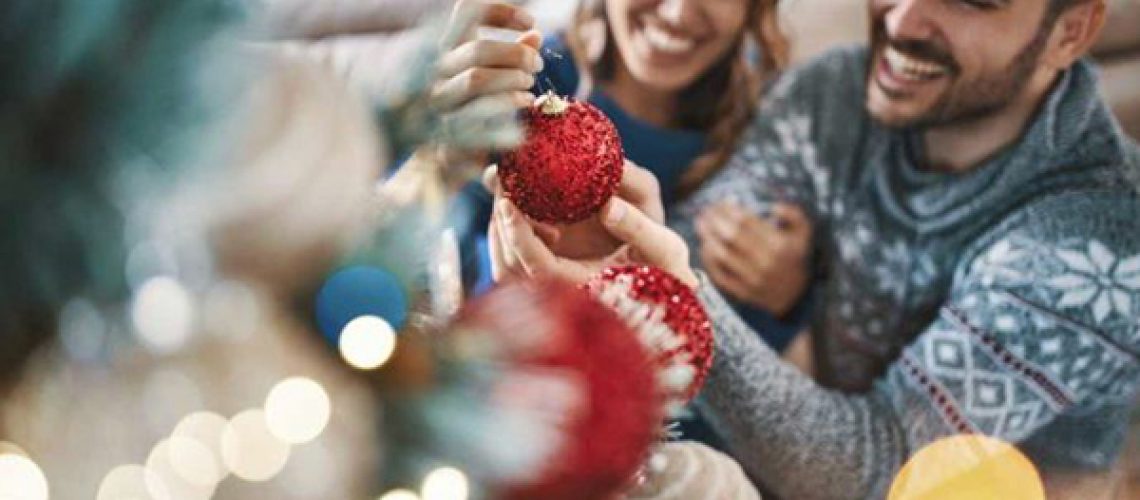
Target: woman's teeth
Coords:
[(663, 41), (909, 68)]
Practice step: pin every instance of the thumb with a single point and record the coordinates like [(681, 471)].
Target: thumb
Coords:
[(654, 242)]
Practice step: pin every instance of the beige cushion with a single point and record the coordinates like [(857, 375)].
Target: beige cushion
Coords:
[(1120, 82), (814, 26), (1122, 29)]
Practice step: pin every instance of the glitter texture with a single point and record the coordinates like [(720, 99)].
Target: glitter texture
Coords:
[(670, 319), (569, 166), (551, 325)]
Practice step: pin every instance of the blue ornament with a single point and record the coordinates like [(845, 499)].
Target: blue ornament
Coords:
[(357, 291)]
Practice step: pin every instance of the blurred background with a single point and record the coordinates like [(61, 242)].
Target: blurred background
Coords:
[(171, 337)]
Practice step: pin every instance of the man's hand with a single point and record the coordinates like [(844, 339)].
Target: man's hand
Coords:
[(760, 261)]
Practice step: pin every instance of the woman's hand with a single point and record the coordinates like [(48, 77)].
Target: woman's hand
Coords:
[(473, 72), (760, 261), (628, 230)]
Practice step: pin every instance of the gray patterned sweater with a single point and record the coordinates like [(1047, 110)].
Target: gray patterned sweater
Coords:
[(1003, 301)]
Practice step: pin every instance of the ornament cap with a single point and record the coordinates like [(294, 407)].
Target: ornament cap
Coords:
[(551, 104)]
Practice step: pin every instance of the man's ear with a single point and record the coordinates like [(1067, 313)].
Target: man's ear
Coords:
[(1074, 33)]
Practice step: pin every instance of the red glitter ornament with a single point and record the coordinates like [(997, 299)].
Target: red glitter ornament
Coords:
[(569, 166), (669, 319), (550, 327)]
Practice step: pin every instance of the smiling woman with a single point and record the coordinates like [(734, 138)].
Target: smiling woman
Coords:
[(681, 65), (680, 79)]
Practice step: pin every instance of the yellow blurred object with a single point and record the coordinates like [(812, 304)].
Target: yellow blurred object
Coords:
[(968, 466)]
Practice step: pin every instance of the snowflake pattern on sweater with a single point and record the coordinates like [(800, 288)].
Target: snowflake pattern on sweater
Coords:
[(1005, 300)]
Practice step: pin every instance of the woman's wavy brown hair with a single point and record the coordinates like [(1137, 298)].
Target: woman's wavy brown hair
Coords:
[(721, 102)]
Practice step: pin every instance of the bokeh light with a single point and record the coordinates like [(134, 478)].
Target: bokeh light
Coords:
[(968, 466), (445, 483), (249, 450), (359, 291), (185, 467), (367, 342), (163, 314), (297, 410), (7, 448), (204, 428), (21, 478), (132, 482), (400, 495)]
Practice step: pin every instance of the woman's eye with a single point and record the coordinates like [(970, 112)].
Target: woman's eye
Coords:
[(979, 4)]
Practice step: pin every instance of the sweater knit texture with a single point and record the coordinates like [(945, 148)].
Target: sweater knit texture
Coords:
[(1004, 300)]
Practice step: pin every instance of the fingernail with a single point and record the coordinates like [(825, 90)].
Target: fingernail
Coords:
[(616, 212), (538, 63)]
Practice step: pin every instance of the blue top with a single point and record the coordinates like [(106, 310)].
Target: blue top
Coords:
[(665, 152)]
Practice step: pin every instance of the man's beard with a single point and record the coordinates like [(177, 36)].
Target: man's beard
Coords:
[(962, 102)]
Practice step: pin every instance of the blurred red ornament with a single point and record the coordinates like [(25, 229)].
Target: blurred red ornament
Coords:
[(569, 166), (670, 320), (554, 330)]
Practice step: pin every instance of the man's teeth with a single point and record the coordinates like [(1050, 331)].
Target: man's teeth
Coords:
[(909, 68), (665, 42)]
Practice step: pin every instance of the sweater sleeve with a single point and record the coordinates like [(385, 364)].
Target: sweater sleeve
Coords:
[(1035, 326), (775, 163), (778, 159)]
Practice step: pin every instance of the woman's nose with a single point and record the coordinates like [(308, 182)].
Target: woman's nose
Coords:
[(675, 11)]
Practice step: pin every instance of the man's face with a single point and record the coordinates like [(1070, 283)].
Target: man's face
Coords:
[(937, 62)]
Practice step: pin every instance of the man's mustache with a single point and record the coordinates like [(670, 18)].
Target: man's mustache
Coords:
[(917, 49)]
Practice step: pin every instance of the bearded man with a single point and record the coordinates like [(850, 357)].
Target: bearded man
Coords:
[(975, 251)]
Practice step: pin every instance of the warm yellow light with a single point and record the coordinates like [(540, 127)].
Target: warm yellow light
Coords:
[(445, 483), (21, 478), (367, 342), (297, 410), (249, 450), (204, 428), (968, 466), (185, 467), (400, 495), (134, 482), (7, 448)]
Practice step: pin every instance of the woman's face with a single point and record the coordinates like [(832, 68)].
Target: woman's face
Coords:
[(669, 44)]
